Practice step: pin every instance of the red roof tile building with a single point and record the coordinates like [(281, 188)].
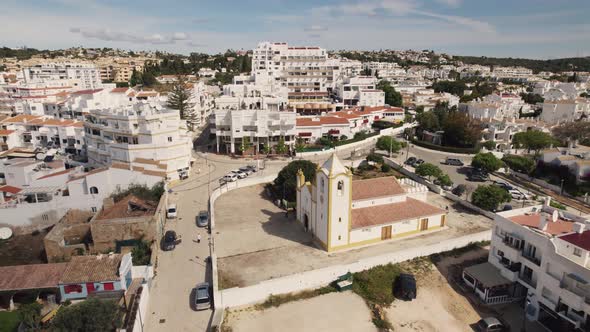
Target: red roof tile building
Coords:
[(342, 213)]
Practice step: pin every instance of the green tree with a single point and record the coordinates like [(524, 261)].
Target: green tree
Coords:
[(267, 149), (490, 145), (181, 99), (532, 98), (487, 162), (532, 140), (30, 315), (445, 180), (136, 78), (392, 97), (92, 315), (281, 147), (375, 158), (286, 181), (461, 130), (573, 131), (521, 164), (429, 170), (246, 144), (388, 143), (459, 190), (149, 79), (299, 145), (489, 197), (428, 121), (141, 253)]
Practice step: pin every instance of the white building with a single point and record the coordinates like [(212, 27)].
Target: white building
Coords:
[(146, 136), (565, 110), (541, 254), (300, 69), (502, 132), (83, 75), (513, 73), (47, 198), (350, 89), (67, 136), (341, 213), (250, 131), (497, 107), (576, 158)]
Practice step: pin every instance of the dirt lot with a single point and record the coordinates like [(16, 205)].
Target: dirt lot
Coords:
[(439, 306), (23, 249), (255, 242), (331, 312)]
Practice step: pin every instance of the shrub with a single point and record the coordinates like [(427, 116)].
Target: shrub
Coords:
[(490, 197), (141, 253), (388, 143), (375, 158), (427, 169), (520, 164), (385, 168), (141, 191)]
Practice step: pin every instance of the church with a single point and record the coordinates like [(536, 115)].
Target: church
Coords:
[(342, 213)]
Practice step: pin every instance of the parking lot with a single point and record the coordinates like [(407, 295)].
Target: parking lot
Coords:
[(255, 241)]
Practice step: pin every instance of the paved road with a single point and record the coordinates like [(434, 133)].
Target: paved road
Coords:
[(178, 271)]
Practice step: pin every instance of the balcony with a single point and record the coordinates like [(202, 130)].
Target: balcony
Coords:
[(535, 260), (572, 299), (527, 280)]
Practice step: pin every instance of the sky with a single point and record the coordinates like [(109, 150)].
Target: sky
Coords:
[(538, 29)]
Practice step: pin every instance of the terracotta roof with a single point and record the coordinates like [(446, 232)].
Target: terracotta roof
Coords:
[(86, 92), (4, 132), (66, 171), (377, 187), (33, 276), (10, 189), (122, 209), (579, 240), (119, 90), (391, 213), (323, 120), (553, 228), (22, 118), (92, 269)]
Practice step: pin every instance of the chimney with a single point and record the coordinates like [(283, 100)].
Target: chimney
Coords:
[(579, 227), (547, 201), (108, 203), (543, 223)]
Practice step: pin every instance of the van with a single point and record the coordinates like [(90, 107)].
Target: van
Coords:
[(453, 162), (171, 212)]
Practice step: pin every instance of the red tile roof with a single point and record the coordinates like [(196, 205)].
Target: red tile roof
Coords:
[(33, 276), (394, 212), (323, 120), (377, 187), (10, 189), (92, 269), (56, 174), (553, 228), (119, 90), (86, 92), (579, 240), (4, 132)]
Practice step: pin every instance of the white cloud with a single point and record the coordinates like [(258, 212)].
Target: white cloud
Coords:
[(450, 3), (117, 36), (315, 28)]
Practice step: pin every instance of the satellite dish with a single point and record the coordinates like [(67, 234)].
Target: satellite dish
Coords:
[(40, 156), (555, 216), (5, 233)]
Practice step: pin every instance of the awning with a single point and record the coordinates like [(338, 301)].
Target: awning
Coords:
[(487, 275)]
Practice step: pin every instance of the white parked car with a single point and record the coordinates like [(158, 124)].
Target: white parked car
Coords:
[(516, 194), (171, 212), (247, 170), (239, 174), (231, 177)]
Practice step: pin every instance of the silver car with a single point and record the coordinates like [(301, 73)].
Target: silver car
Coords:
[(203, 219), (202, 296)]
